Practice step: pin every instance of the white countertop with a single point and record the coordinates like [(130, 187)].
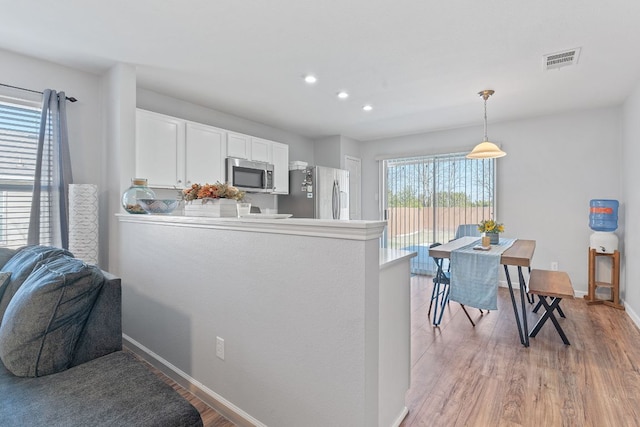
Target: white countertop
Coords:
[(389, 257), (341, 229)]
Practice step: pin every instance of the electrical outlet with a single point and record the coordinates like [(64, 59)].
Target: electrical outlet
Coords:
[(220, 347), (554, 265)]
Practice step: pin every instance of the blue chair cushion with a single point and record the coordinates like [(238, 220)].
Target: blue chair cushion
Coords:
[(44, 319)]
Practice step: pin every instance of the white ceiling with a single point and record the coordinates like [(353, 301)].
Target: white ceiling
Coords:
[(420, 63)]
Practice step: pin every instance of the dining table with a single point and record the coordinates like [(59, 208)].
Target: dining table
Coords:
[(518, 255)]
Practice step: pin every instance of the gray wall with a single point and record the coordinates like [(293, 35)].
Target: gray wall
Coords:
[(330, 151), (554, 166), (631, 225), (326, 152)]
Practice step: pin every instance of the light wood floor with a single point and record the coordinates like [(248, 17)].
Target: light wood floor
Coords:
[(483, 376)]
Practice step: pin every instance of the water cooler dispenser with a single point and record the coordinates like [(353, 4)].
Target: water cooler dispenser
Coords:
[(603, 245)]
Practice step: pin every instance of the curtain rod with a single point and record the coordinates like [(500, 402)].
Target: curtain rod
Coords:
[(69, 98)]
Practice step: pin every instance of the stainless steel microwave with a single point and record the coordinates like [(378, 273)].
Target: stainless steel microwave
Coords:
[(253, 177)]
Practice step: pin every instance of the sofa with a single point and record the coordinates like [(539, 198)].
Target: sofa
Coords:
[(62, 362)]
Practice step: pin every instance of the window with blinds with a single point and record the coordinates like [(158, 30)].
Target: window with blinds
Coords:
[(19, 129), (431, 198)]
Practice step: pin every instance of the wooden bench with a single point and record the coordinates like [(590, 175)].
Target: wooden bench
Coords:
[(555, 285)]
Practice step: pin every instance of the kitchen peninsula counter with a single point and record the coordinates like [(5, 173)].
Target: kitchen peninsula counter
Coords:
[(353, 229), (314, 316)]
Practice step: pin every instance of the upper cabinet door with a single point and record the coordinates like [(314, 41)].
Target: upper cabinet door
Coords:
[(205, 154), (260, 150), (238, 145), (280, 158), (159, 149)]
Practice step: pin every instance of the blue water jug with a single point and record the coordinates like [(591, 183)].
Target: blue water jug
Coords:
[(603, 215)]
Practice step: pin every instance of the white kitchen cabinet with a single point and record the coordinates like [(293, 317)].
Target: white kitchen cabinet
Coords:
[(261, 150), (238, 145), (159, 149), (172, 152), (205, 154), (280, 160)]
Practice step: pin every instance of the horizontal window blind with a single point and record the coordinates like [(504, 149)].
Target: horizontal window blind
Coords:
[(428, 198), (19, 129)]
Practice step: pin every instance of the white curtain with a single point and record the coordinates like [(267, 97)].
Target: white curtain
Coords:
[(50, 206)]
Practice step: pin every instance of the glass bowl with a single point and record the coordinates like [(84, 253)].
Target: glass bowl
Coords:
[(158, 206)]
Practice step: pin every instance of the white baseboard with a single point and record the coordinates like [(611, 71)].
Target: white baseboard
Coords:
[(208, 396), (632, 314), (401, 417)]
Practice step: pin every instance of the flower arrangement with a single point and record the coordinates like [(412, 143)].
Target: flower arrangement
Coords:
[(490, 226), (212, 191)]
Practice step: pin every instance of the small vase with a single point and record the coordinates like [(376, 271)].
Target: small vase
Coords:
[(138, 190), (494, 238)]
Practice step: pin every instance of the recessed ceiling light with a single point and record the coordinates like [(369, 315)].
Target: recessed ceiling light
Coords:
[(367, 107), (343, 95), (311, 79)]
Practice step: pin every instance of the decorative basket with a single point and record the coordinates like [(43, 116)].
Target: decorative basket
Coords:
[(216, 208)]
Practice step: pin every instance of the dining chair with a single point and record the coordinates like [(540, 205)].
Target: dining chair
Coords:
[(440, 292), (467, 230)]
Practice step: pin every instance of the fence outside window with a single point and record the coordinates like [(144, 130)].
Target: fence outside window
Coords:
[(428, 197)]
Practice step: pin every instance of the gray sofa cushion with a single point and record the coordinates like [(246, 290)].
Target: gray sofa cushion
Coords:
[(44, 319), (20, 265), (5, 255), (5, 276), (113, 390)]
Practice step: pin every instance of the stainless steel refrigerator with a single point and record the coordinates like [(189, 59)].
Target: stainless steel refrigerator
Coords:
[(317, 192)]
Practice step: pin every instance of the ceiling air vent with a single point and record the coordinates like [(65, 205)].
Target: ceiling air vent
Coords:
[(561, 59)]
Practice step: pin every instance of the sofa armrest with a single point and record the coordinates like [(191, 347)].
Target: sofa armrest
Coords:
[(102, 333)]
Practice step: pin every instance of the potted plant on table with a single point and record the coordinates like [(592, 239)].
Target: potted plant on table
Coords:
[(492, 229)]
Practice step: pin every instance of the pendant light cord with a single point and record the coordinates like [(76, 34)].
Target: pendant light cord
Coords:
[(485, 120)]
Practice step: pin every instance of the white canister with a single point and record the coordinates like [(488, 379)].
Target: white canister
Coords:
[(605, 242)]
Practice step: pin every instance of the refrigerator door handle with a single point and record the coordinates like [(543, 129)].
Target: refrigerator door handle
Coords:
[(339, 204), (335, 201)]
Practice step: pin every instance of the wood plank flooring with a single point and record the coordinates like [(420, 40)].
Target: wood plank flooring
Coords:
[(483, 376)]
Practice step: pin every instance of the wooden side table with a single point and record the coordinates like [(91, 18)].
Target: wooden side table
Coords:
[(613, 285)]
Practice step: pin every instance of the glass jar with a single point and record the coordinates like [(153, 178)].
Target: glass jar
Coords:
[(138, 190)]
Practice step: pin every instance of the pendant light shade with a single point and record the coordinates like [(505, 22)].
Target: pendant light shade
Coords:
[(486, 149)]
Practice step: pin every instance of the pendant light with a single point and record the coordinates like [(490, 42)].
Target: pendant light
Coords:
[(486, 149)]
